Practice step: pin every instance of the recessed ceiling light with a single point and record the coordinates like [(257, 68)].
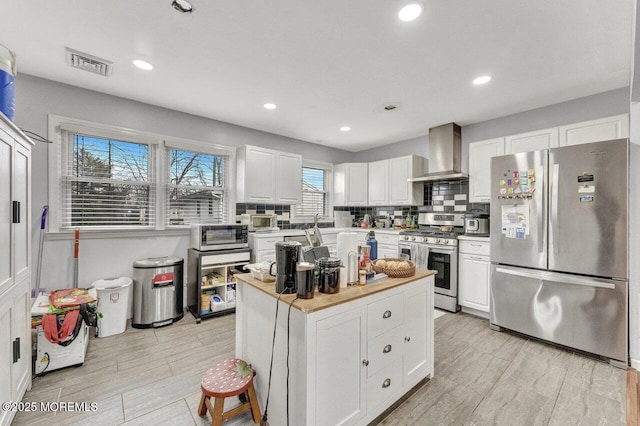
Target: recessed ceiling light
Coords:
[(270, 106), (482, 80), (143, 65), (345, 128), (410, 12)]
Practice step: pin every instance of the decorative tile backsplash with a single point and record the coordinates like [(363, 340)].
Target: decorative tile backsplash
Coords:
[(282, 210)]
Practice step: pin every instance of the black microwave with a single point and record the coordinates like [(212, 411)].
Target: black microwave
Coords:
[(206, 237)]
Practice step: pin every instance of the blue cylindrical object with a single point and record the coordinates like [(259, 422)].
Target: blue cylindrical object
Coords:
[(7, 87), (373, 243)]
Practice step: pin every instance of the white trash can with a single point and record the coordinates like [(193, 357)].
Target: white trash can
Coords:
[(113, 305)]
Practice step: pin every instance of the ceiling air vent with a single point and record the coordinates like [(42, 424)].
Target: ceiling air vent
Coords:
[(87, 62)]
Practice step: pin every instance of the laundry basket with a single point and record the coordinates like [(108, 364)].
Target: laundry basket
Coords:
[(113, 305)]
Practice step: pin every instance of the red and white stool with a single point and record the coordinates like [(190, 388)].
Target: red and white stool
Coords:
[(231, 377)]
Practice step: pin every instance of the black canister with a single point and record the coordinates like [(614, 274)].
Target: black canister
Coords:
[(305, 280), (328, 274)]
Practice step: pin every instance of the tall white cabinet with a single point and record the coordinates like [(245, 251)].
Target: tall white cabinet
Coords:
[(15, 265), (480, 154)]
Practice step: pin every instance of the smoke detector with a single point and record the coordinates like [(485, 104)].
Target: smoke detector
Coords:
[(390, 106), (87, 62)]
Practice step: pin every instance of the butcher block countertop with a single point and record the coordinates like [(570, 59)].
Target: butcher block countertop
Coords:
[(322, 300)]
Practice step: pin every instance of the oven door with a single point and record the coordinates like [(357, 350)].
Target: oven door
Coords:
[(445, 262)]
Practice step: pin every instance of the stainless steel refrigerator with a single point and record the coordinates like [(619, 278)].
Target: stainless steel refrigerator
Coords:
[(559, 240)]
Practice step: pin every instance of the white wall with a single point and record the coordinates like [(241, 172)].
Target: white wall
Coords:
[(102, 258), (634, 237)]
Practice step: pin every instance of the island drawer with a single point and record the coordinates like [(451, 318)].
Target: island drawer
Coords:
[(384, 385), (385, 315), (383, 350)]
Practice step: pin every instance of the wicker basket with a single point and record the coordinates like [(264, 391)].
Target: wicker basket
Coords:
[(395, 273)]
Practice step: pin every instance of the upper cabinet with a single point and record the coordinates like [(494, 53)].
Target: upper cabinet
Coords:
[(268, 176), (402, 192), (602, 129), (480, 154), (531, 141), (379, 183), (350, 182)]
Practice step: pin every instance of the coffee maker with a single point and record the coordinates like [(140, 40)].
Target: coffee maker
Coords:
[(288, 254)]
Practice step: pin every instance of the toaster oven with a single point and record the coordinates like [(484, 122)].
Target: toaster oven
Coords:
[(205, 237)]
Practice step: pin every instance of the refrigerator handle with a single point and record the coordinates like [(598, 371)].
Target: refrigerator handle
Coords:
[(550, 277), (540, 216), (554, 208)]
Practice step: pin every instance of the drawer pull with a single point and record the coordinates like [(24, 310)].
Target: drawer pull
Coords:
[(386, 349), (386, 383), (407, 339), (387, 314), (365, 362)]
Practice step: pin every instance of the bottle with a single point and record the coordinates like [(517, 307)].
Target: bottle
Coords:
[(365, 263), (373, 243)]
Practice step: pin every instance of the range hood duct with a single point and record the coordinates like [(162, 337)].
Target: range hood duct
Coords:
[(445, 154)]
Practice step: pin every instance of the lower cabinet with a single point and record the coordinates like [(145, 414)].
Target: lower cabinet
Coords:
[(474, 269), (15, 349), (347, 363)]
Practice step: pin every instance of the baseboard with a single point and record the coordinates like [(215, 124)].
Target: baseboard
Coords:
[(635, 363), (475, 312)]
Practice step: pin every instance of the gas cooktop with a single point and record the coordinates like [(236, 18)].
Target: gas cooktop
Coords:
[(434, 232)]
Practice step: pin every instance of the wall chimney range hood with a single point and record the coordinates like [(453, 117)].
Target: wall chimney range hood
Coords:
[(445, 153)]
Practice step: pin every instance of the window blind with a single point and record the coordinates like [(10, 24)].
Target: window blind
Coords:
[(314, 195), (105, 182), (196, 187)]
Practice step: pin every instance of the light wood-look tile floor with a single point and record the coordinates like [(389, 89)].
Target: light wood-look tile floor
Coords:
[(482, 377)]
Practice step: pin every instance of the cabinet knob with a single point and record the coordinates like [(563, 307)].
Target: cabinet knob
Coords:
[(386, 383), (365, 362), (387, 314), (386, 349), (407, 339)]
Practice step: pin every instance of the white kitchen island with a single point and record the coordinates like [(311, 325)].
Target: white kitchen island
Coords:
[(351, 354)]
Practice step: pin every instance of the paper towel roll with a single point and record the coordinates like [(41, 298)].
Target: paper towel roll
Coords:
[(346, 242)]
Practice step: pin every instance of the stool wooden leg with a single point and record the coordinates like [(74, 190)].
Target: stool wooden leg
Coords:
[(255, 406), (202, 408), (216, 413)]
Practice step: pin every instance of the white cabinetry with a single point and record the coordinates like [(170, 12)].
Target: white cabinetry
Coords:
[(379, 183), (532, 141), (474, 267), (351, 182), (601, 129), (263, 247), (480, 154), (352, 360), (15, 265), (387, 244), (402, 192), (268, 176)]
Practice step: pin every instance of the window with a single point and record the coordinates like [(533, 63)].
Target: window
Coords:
[(106, 183), (314, 191), (104, 177), (195, 191)]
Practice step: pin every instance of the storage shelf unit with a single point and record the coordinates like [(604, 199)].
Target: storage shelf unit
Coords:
[(210, 273)]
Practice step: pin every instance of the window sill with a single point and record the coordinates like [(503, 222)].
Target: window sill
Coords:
[(119, 233)]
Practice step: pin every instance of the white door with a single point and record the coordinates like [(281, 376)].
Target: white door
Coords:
[(602, 129), (260, 175), (289, 183), (473, 281), (21, 187), (6, 252), (416, 356), (480, 154), (532, 141), (400, 191), (379, 182), (357, 179), (340, 372), (6, 355), (21, 335)]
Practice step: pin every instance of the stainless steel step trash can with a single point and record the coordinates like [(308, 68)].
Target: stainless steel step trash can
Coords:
[(157, 291)]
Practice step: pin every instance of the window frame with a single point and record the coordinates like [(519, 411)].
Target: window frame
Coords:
[(159, 146), (328, 190)]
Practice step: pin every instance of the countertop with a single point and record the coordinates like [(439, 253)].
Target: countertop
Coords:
[(322, 300), (293, 232), (472, 238)]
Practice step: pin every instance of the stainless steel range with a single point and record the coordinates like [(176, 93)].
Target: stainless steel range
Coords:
[(435, 246)]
